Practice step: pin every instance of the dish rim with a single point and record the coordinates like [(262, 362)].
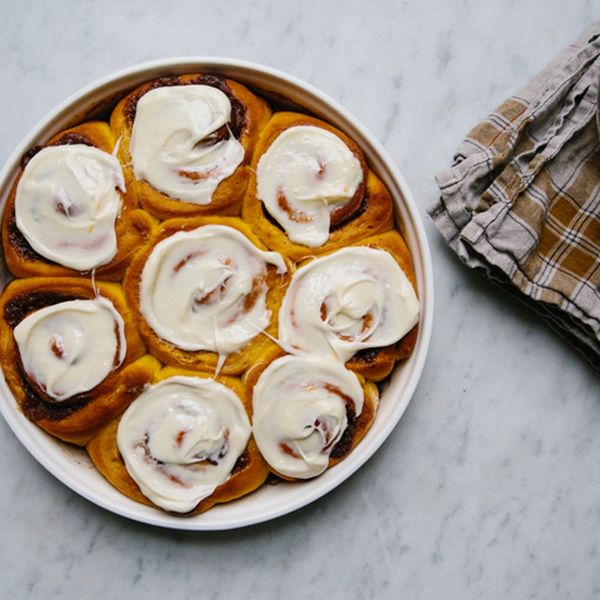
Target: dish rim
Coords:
[(70, 474)]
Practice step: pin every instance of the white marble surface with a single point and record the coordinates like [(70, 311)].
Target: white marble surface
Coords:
[(489, 487)]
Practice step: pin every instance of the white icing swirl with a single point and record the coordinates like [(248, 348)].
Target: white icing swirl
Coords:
[(171, 146), (70, 347), (205, 289), (306, 173), (181, 438), (300, 407), (352, 299), (67, 203)]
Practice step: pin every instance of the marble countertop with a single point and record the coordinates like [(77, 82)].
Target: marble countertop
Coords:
[(489, 486)]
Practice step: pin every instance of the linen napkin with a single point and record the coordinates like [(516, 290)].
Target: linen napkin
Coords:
[(521, 201)]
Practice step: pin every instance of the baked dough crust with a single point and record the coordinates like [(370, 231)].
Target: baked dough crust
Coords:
[(251, 112), (133, 226), (205, 360), (374, 214), (75, 420), (249, 473)]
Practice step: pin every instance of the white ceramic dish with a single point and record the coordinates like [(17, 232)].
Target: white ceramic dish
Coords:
[(71, 465)]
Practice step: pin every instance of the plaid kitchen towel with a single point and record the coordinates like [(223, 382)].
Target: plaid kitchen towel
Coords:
[(522, 199)]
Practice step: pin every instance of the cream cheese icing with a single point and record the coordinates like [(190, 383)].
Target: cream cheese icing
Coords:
[(205, 289), (305, 173), (172, 142), (300, 407), (347, 301), (181, 438), (67, 203), (70, 347)]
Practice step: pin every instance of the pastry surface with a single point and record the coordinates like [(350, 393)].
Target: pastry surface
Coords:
[(208, 292)]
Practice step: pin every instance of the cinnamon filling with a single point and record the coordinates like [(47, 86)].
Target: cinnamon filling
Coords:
[(345, 444), (294, 215), (345, 212), (186, 259), (339, 216), (57, 347), (116, 361), (238, 110), (17, 308), (197, 175), (289, 451)]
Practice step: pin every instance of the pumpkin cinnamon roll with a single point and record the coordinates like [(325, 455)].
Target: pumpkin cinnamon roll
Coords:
[(71, 353), (186, 143), (206, 293), (308, 413), (183, 445), (69, 211), (357, 305), (311, 191)]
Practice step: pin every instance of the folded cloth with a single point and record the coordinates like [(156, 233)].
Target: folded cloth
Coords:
[(522, 200)]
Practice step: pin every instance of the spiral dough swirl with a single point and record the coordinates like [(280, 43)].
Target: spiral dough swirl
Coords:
[(350, 300), (305, 174), (70, 347), (181, 438), (180, 141), (300, 412), (205, 289), (67, 203)]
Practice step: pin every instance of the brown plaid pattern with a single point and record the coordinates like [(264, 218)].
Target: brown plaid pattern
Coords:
[(522, 199)]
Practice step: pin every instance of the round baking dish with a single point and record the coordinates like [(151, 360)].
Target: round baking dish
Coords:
[(71, 465)]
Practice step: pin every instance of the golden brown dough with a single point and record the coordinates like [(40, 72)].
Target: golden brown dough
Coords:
[(357, 426), (248, 474), (77, 419), (170, 354), (377, 363), (133, 226), (370, 211), (91, 418)]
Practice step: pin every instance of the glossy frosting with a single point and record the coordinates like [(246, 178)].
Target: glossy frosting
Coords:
[(347, 301), (205, 289), (181, 438), (67, 203), (70, 347), (300, 407), (174, 142), (305, 173)]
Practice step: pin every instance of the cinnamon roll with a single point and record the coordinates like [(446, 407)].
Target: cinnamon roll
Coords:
[(359, 298), (275, 325), (71, 353), (183, 445), (69, 211), (206, 294), (311, 190), (186, 143), (308, 413)]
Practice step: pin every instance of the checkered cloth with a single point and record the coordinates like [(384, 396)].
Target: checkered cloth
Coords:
[(522, 199)]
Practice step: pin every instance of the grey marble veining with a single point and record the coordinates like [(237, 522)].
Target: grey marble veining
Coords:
[(490, 485)]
